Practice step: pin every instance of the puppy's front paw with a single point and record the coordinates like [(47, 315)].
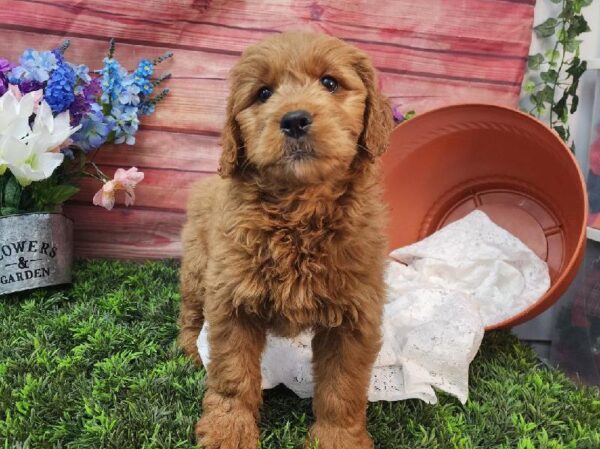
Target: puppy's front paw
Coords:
[(225, 424), (324, 436)]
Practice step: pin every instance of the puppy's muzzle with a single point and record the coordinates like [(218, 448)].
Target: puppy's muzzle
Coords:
[(295, 124)]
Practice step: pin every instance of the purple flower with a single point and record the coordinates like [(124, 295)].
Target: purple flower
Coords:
[(78, 109), (5, 65), (30, 86), (398, 115), (3, 84), (92, 90)]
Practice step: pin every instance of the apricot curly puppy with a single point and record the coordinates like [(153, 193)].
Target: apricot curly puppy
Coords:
[(291, 236)]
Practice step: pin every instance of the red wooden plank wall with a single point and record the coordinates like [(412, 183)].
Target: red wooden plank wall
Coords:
[(429, 53)]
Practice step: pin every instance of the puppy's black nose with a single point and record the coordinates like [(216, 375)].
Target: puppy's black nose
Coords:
[(295, 123)]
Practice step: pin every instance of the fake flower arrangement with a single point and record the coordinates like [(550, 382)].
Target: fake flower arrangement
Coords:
[(53, 114)]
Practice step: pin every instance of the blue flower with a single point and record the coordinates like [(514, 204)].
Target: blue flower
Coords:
[(95, 128), (146, 108), (59, 91), (112, 78), (142, 76), (82, 77), (126, 123), (34, 66), (130, 91), (145, 69), (60, 57), (146, 87), (68, 152)]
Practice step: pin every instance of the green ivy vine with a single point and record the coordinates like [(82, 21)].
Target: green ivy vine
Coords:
[(554, 76)]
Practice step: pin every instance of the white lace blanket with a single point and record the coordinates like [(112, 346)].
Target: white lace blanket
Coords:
[(442, 292)]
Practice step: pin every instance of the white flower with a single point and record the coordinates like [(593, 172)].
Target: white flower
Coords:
[(15, 113), (31, 154)]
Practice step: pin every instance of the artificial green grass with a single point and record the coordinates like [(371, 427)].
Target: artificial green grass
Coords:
[(96, 366)]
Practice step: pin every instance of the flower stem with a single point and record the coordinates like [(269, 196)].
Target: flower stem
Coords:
[(99, 174)]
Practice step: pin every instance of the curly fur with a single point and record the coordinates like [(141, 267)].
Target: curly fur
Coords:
[(286, 243)]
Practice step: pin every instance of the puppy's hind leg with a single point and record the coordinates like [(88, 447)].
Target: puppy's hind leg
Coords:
[(191, 315)]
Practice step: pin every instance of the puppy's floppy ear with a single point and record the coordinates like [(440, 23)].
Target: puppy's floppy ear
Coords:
[(378, 118), (231, 141)]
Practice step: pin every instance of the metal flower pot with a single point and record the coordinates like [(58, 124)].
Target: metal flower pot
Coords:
[(36, 250)]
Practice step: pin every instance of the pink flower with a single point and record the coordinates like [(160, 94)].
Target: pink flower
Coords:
[(123, 180), (105, 197)]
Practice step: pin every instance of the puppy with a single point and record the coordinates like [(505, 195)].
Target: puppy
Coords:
[(291, 236)]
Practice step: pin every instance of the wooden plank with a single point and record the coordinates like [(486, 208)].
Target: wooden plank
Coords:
[(125, 233), (232, 25), (160, 189), (164, 150)]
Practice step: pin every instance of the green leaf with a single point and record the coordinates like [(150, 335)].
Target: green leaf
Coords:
[(12, 193), (552, 55), (569, 10), (529, 87), (534, 61), (572, 45), (560, 108), (574, 104), (550, 76), (572, 90), (585, 3), (577, 68), (578, 25), (546, 29), (62, 193), (560, 129), (47, 197), (562, 36), (546, 95)]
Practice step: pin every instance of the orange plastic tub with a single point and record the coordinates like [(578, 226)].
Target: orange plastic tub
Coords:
[(445, 163)]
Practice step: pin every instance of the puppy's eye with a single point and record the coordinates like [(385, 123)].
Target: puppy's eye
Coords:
[(264, 93), (330, 83)]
